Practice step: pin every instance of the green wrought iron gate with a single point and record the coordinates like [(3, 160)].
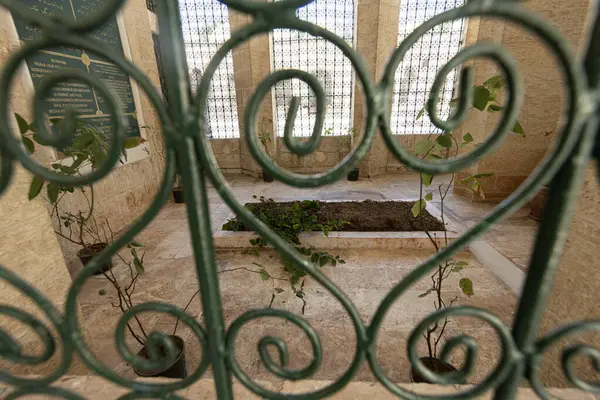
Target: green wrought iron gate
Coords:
[(189, 154)]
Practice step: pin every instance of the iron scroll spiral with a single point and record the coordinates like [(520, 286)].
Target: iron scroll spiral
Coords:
[(270, 16)]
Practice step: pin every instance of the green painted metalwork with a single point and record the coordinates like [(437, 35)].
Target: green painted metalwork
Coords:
[(189, 154)]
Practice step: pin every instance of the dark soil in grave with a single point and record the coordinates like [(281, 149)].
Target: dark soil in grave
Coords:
[(364, 216)]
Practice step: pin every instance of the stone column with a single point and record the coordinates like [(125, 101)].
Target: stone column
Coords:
[(251, 64), (376, 39)]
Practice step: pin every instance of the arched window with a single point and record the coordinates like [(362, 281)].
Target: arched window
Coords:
[(205, 25), (418, 69), (293, 49)]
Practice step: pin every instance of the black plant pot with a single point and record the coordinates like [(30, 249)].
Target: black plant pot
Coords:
[(353, 175), (178, 195), (89, 252), (176, 369), (433, 364), (267, 176), (536, 205)]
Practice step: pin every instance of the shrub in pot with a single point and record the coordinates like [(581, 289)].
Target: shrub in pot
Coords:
[(82, 227), (443, 146)]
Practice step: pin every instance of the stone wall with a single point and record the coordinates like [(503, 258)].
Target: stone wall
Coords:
[(227, 155), (129, 189), (542, 87), (331, 152), (574, 293), (28, 245)]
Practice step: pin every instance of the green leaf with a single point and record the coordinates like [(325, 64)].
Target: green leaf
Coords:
[(481, 96), (264, 275), (483, 175), (131, 143), (28, 143), (468, 138), (466, 180), (466, 285), (139, 266), (323, 261), (36, 187), (518, 129), (423, 146), (65, 169), (33, 127), (495, 108), (102, 292), (429, 196), (39, 140), (425, 294), (136, 244), (459, 266), (426, 178), (342, 261), (23, 125), (453, 103), (314, 258), (52, 189), (495, 82), (418, 207), (420, 114), (445, 141)]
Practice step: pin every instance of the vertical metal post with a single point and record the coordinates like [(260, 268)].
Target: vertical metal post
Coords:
[(554, 225), (192, 173)]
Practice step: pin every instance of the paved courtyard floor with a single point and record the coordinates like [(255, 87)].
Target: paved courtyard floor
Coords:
[(366, 278)]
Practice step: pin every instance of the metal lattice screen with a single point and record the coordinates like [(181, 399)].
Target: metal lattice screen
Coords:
[(294, 49), (205, 26), (417, 71)]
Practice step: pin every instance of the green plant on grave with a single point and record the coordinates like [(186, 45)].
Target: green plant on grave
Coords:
[(288, 221), (443, 146)]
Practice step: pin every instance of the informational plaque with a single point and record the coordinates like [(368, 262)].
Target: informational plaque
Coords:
[(90, 105)]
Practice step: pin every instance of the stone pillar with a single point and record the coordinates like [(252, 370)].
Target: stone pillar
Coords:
[(376, 39), (251, 64), (543, 90)]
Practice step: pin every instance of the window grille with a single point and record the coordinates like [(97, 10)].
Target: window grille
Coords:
[(205, 25), (417, 71), (293, 49)]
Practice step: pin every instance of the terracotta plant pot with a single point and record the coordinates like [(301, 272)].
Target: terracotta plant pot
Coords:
[(536, 205), (267, 176), (175, 369), (435, 365), (178, 195), (353, 175), (88, 253)]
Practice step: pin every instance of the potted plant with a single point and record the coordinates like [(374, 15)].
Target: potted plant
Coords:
[(443, 146), (178, 194), (122, 298), (265, 138), (88, 150)]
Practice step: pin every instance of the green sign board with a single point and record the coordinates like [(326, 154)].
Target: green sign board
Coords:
[(89, 105)]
